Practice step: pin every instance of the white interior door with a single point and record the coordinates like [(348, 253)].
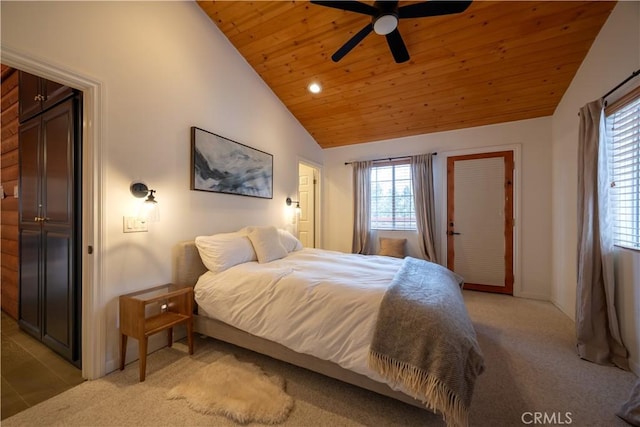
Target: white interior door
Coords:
[(480, 220), (306, 194)]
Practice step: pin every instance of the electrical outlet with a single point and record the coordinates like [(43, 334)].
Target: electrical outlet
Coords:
[(134, 224)]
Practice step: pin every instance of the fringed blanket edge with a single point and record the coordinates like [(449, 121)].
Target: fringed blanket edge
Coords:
[(423, 386)]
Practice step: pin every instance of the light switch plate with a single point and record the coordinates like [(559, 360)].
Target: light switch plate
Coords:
[(133, 224)]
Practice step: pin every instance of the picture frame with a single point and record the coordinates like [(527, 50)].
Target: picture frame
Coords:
[(221, 165)]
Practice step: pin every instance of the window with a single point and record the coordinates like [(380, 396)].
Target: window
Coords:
[(392, 197), (623, 130)]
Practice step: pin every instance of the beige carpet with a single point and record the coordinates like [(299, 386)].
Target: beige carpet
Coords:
[(529, 354)]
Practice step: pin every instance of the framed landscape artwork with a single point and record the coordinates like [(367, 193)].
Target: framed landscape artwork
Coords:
[(221, 165)]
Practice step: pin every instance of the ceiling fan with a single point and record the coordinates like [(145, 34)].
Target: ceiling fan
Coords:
[(384, 21)]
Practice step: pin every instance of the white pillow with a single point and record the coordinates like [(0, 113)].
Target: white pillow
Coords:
[(246, 230), (222, 251), (289, 241), (266, 243)]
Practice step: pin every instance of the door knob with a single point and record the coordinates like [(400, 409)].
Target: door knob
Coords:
[(452, 233)]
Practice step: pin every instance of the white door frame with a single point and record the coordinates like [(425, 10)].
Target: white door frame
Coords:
[(441, 158), (93, 346), (318, 199)]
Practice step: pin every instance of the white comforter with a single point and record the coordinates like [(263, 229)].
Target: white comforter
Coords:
[(316, 302)]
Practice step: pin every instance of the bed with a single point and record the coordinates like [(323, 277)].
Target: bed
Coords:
[(313, 308)]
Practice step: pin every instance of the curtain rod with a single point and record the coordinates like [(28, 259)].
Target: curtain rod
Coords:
[(389, 159), (634, 74)]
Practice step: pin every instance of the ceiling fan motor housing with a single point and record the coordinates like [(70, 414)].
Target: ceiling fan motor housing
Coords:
[(385, 24)]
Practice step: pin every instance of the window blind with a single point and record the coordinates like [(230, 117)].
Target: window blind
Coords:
[(624, 161)]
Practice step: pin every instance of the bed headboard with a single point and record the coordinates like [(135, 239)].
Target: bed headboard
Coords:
[(187, 265)]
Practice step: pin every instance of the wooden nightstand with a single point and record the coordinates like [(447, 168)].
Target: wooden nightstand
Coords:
[(150, 311)]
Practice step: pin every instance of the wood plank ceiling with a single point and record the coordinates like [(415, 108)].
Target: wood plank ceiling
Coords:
[(496, 62)]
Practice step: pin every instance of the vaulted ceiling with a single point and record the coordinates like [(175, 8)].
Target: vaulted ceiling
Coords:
[(495, 62)]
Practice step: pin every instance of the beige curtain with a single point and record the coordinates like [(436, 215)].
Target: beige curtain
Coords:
[(597, 328), (422, 181), (361, 207)]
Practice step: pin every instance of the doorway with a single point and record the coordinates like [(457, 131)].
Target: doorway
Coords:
[(93, 319), (308, 195), (480, 220), (49, 226)]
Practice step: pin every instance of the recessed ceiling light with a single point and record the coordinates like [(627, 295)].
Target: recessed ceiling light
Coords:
[(315, 88)]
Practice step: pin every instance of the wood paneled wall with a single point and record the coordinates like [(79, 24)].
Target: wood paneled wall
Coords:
[(9, 221)]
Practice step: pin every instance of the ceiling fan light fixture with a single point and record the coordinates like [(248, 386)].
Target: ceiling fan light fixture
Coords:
[(385, 24)]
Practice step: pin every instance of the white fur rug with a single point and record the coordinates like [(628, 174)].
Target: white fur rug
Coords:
[(240, 391)]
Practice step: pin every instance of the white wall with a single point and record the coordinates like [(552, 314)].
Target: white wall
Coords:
[(613, 56), (534, 140), (164, 67)]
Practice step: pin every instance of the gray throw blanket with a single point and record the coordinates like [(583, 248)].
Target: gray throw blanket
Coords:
[(424, 340)]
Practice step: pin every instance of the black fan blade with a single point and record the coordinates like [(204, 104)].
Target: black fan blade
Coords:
[(385, 6), (397, 46), (351, 6), (432, 8), (353, 42)]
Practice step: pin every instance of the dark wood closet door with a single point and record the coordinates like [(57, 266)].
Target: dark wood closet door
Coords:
[(57, 225), (49, 283)]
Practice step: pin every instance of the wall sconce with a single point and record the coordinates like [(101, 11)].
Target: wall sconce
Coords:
[(149, 209), (289, 201)]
